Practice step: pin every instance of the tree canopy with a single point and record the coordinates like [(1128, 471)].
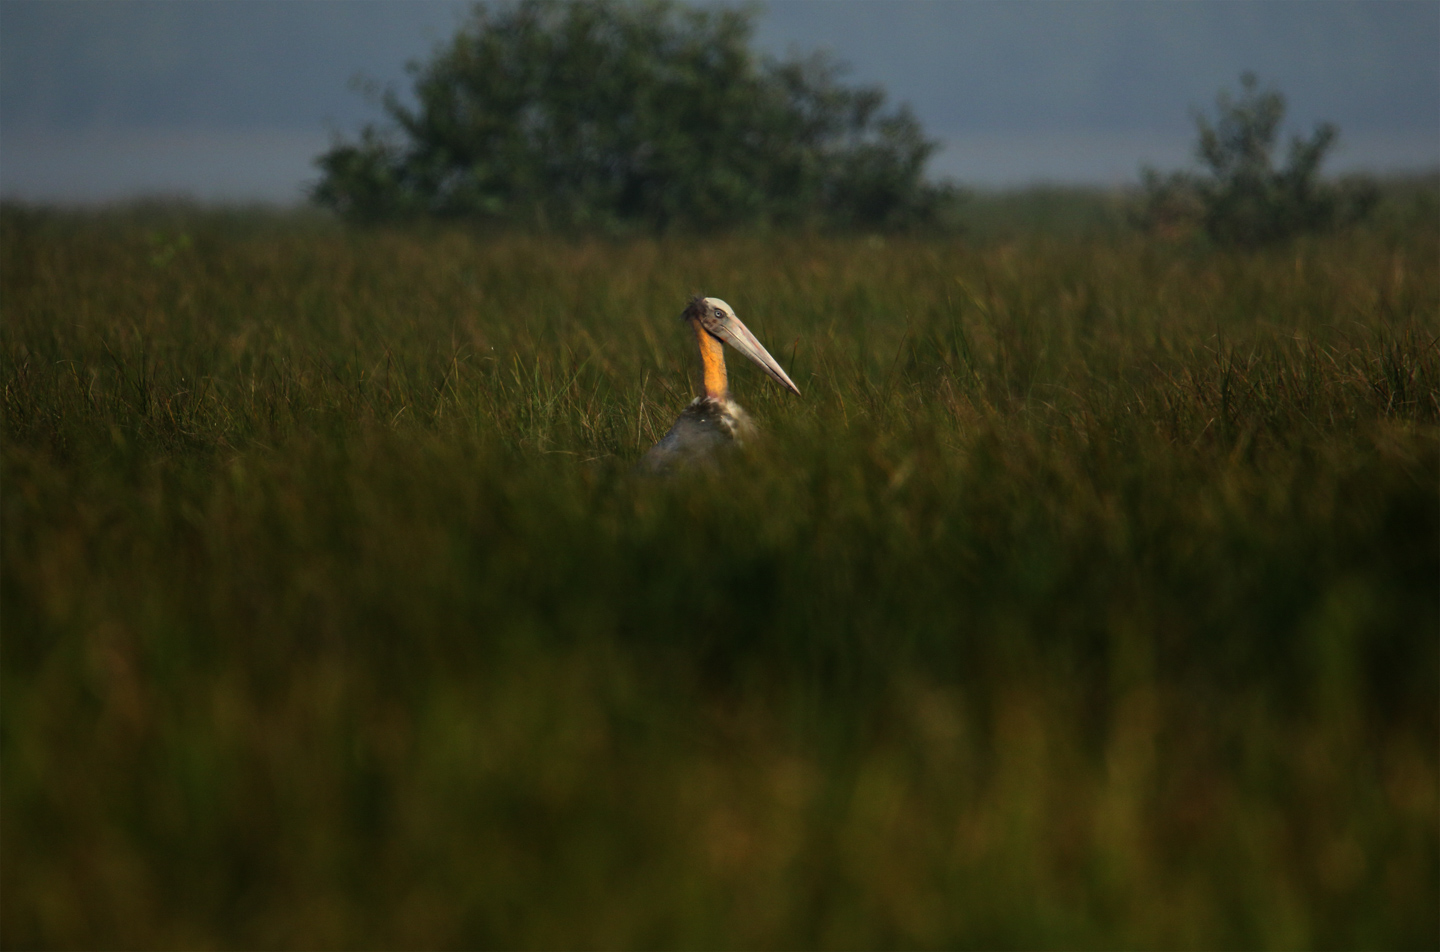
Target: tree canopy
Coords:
[(612, 115), (1243, 199)]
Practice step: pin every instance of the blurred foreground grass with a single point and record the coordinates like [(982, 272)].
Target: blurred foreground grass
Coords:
[(1088, 597)]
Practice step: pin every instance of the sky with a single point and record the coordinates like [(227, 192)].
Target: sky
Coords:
[(231, 100)]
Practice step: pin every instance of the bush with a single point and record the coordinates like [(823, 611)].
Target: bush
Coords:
[(611, 115), (1243, 199)]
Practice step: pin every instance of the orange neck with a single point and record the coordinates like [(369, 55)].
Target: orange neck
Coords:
[(712, 359)]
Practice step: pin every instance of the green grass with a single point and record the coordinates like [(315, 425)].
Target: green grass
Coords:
[(1088, 597)]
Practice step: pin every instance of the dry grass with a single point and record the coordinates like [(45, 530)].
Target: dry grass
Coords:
[(1088, 596)]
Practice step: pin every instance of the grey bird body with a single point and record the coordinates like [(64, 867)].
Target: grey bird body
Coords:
[(704, 432)]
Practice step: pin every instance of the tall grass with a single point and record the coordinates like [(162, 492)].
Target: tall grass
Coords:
[(1087, 597)]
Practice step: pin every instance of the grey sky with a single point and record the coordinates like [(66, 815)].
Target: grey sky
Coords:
[(232, 100)]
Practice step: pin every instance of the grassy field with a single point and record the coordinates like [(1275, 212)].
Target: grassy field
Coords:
[(1088, 597)]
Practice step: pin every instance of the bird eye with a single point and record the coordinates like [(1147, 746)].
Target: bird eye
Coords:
[(719, 313)]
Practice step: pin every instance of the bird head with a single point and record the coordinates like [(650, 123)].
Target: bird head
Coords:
[(716, 318)]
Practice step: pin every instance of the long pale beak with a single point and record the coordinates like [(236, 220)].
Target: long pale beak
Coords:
[(737, 335)]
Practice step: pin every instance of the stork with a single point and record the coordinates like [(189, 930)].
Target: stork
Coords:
[(713, 422)]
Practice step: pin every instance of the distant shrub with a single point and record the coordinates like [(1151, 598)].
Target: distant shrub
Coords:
[(606, 115), (1242, 198)]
